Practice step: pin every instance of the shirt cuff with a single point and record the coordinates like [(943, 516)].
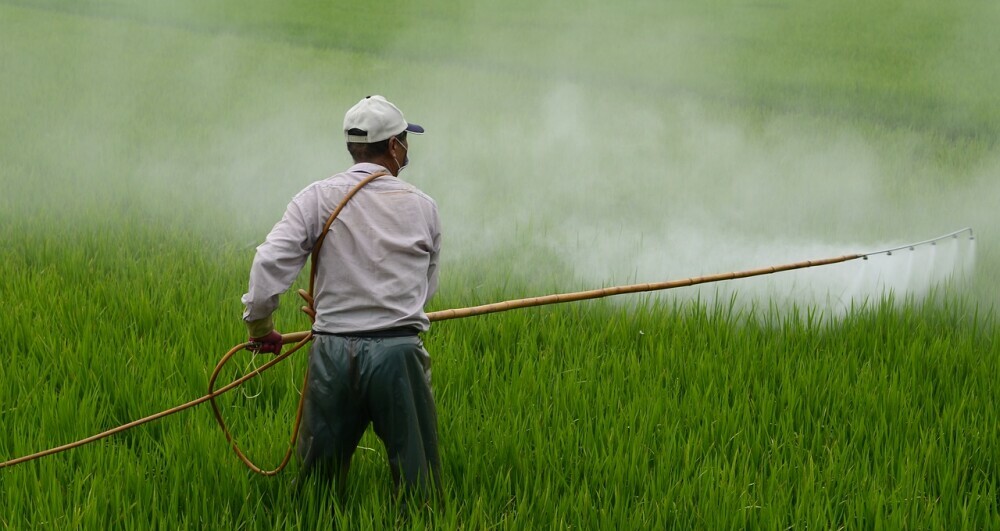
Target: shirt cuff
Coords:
[(260, 327)]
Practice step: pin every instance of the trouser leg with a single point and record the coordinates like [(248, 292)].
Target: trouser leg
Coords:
[(332, 419), (404, 414)]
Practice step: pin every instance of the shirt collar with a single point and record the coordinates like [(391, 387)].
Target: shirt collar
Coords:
[(369, 168)]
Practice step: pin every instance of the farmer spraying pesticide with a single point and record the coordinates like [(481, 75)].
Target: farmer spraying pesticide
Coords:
[(375, 268), (369, 285)]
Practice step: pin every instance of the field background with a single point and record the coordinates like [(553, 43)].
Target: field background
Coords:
[(146, 149)]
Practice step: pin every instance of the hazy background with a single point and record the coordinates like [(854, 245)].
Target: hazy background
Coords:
[(570, 145)]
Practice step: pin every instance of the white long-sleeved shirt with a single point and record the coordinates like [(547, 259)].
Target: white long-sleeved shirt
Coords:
[(378, 266)]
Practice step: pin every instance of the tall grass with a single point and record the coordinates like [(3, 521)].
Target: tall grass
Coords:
[(589, 415), (133, 194)]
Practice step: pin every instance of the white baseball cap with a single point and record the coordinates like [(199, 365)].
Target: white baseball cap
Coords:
[(378, 118)]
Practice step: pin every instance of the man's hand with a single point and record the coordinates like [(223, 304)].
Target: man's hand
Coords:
[(269, 343)]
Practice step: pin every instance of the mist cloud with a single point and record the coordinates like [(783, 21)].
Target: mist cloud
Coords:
[(604, 150)]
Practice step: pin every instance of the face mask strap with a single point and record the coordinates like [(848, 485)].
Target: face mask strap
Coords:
[(406, 156)]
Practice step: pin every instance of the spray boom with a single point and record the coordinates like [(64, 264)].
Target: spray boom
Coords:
[(932, 241)]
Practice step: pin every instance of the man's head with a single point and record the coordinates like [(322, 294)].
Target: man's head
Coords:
[(376, 132)]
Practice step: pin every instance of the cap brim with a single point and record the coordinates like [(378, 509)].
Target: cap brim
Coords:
[(415, 129)]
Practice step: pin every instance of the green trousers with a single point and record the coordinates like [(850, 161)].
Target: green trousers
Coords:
[(357, 381)]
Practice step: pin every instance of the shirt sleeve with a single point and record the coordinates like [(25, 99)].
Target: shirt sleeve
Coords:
[(277, 263), (432, 269)]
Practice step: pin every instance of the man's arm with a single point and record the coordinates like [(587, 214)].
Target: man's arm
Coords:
[(275, 266), (432, 269)]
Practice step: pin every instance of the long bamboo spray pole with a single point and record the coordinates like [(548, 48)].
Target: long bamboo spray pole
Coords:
[(558, 298)]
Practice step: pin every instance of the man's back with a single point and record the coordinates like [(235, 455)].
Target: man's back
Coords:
[(378, 264)]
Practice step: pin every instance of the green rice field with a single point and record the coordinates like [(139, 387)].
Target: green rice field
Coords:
[(146, 148)]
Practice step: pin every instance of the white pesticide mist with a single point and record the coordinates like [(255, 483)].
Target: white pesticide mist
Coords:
[(617, 146), (632, 182), (691, 196)]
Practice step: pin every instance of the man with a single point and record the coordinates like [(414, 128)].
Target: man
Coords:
[(377, 268)]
